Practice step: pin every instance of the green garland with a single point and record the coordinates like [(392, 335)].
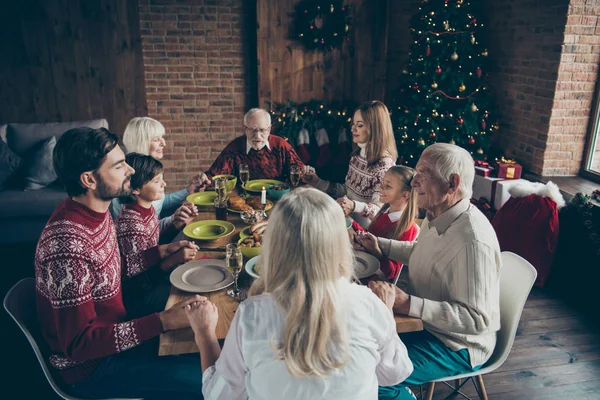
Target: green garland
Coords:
[(582, 203), (322, 25)]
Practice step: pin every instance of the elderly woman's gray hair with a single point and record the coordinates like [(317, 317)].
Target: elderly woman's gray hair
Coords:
[(447, 159)]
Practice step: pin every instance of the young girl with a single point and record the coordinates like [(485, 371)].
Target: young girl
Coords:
[(396, 219), (373, 133), (145, 290)]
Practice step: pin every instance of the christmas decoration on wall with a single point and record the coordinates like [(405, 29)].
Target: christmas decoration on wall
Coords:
[(322, 25), (444, 87)]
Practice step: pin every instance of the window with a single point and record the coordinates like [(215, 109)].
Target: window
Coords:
[(591, 166)]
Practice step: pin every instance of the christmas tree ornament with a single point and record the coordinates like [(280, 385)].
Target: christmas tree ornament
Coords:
[(472, 39), (471, 141), (454, 56), (460, 120), (452, 141), (483, 124), (462, 87), (446, 25), (474, 107), (480, 151), (484, 53), (432, 135), (478, 72), (434, 85), (435, 114), (319, 22), (428, 51), (405, 71), (438, 70), (421, 142)]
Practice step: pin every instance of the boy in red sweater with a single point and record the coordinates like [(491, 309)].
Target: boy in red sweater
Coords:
[(93, 343), (145, 289), (267, 156)]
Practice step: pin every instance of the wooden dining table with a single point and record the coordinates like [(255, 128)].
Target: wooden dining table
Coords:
[(181, 341)]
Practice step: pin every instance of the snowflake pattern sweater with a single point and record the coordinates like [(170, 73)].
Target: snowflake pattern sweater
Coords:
[(273, 163), (78, 292)]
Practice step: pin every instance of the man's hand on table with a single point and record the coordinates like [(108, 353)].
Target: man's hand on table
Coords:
[(175, 317), (184, 215), (394, 298), (203, 316), (199, 183)]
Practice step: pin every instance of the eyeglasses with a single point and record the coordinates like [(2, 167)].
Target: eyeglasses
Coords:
[(258, 130)]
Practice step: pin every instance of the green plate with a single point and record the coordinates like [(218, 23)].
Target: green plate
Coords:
[(256, 185), (209, 230), (244, 233), (267, 208), (203, 199)]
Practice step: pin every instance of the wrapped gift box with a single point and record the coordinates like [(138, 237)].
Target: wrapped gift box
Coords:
[(509, 170), (494, 190), (501, 194), (482, 168)]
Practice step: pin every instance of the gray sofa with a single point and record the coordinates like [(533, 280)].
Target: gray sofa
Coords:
[(23, 214)]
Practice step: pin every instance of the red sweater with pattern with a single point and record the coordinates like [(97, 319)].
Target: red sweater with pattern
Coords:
[(384, 227), (273, 163), (138, 232), (78, 292)]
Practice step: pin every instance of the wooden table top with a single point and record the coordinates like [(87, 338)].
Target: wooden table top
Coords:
[(181, 341)]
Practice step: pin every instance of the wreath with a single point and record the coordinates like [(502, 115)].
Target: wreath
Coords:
[(322, 25)]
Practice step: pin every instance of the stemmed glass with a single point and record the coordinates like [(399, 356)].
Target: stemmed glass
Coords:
[(295, 173), (234, 263), (244, 178)]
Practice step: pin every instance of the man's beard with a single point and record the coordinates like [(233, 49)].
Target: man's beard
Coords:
[(106, 193)]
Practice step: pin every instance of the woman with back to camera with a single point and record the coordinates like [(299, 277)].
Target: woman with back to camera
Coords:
[(306, 332)]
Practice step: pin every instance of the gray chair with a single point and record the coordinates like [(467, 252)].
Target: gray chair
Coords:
[(516, 280), (19, 302)]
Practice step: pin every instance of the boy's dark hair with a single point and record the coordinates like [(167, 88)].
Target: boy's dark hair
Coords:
[(80, 150), (146, 168)]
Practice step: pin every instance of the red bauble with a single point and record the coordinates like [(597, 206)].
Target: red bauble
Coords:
[(483, 125), (474, 21), (460, 121), (416, 87), (478, 72), (312, 27), (471, 141), (428, 51), (438, 70), (432, 135)]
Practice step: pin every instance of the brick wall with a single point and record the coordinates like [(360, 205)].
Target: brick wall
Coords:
[(198, 59)]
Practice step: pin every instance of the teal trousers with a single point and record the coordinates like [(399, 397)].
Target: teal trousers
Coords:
[(431, 360)]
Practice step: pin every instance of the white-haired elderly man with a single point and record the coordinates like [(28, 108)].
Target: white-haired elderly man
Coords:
[(453, 271), (267, 156)]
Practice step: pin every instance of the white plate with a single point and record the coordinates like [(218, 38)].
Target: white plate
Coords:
[(250, 267), (365, 264), (201, 276)]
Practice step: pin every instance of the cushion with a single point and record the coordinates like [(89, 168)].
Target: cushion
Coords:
[(9, 163), (22, 138), (16, 203), (38, 170)]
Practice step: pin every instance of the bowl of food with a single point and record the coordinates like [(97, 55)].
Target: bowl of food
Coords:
[(250, 245), (276, 192), (230, 183), (251, 217)]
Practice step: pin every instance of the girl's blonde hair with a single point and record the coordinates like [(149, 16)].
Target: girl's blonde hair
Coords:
[(305, 253), (377, 120), (139, 132), (404, 176)]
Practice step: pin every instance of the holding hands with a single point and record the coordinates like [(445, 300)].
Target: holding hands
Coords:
[(198, 183), (309, 175), (177, 253), (175, 317), (346, 204), (184, 215), (369, 243), (396, 299), (202, 316)]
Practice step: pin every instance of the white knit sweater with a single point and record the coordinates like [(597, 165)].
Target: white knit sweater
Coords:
[(454, 269)]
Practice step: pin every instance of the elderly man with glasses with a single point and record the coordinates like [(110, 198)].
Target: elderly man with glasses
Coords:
[(267, 156)]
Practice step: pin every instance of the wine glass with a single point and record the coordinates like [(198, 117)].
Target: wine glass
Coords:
[(295, 173), (244, 178), (233, 259)]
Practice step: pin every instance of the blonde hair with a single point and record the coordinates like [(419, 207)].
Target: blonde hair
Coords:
[(139, 132), (381, 142), (404, 176), (306, 251)]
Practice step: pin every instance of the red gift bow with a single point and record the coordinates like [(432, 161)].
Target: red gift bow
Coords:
[(507, 161), (484, 164)]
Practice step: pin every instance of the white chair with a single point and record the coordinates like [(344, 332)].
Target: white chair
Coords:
[(19, 302), (516, 279)]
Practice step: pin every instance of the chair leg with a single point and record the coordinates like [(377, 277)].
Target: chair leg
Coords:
[(481, 387), (457, 383), (430, 390)]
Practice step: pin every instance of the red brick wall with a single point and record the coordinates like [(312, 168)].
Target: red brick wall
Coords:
[(198, 77)]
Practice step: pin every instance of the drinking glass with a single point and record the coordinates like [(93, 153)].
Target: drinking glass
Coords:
[(221, 189), (221, 210), (295, 173), (234, 263), (244, 178)]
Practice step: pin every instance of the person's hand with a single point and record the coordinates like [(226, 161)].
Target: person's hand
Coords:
[(166, 250), (184, 215), (347, 205), (202, 316), (385, 291), (352, 235), (310, 177), (198, 183), (183, 255), (370, 243), (176, 317)]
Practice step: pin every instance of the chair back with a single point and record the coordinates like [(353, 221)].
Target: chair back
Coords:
[(516, 280)]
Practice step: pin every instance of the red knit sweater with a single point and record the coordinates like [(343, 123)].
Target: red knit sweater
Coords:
[(383, 227), (265, 163), (78, 292)]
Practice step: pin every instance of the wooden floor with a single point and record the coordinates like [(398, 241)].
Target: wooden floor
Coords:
[(556, 354)]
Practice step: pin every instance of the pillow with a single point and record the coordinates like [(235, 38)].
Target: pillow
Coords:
[(9, 163), (39, 170)]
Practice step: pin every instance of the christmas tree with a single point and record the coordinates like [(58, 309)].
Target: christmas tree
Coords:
[(443, 95)]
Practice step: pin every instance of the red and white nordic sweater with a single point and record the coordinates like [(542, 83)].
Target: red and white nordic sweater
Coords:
[(78, 292)]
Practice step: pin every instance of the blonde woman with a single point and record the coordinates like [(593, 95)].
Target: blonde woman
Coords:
[(373, 133), (306, 332), (145, 135)]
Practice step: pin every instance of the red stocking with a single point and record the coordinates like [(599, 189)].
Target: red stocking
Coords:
[(302, 148), (324, 152)]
